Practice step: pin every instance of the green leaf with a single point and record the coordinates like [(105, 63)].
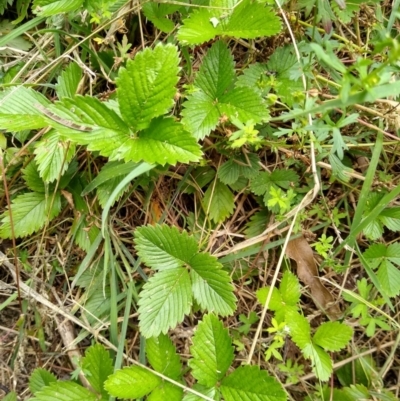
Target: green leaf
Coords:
[(212, 351), (321, 362), (290, 288), (390, 217), (243, 103), (300, 330), (384, 258), (248, 20), (229, 172), (166, 391), (164, 141), (39, 379), (97, 365), (53, 156), (200, 115), (162, 356), (17, 109), (30, 212), (146, 87), (133, 382), (257, 224), (333, 336), (218, 201), (11, 396), (64, 391), (32, 178), (68, 81), (47, 8), (216, 73), (211, 285), (164, 247), (251, 384), (255, 76), (261, 184), (156, 12), (209, 392), (164, 301)]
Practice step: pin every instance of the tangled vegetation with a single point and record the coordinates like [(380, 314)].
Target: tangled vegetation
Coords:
[(199, 200)]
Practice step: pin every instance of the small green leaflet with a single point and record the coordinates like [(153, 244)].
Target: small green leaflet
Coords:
[(212, 351), (386, 258), (248, 20), (46, 8), (68, 81), (133, 382), (39, 379), (156, 13), (218, 201), (64, 391)]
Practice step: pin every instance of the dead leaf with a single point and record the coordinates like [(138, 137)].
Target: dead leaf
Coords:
[(300, 251)]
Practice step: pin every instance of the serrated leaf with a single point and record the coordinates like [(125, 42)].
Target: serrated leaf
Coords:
[(133, 382), (46, 8), (156, 13), (251, 384), (300, 330), (39, 379), (17, 109), (218, 201), (332, 336), (200, 177), (257, 224), (228, 173), (68, 81), (163, 247), (85, 231), (164, 301), (211, 285), (216, 73), (52, 156), (255, 76), (212, 351), (97, 365), (209, 392), (162, 356), (200, 115), (64, 391), (290, 288), (248, 20), (262, 182), (32, 178), (243, 103), (146, 87), (166, 391), (164, 141), (321, 362), (30, 212), (11, 396)]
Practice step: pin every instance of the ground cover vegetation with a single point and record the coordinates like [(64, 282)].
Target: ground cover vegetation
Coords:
[(199, 200)]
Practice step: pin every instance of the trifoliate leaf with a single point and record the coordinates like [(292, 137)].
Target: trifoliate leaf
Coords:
[(248, 20), (30, 212), (251, 384), (164, 141), (216, 73), (164, 301), (156, 13), (212, 351), (146, 87), (321, 362), (133, 382), (166, 391), (385, 258), (46, 8), (164, 247), (332, 336), (162, 356), (64, 391), (68, 81), (18, 111), (211, 286), (52, 156), (97, 365), (200, 115), (218, 201), (39, 379), (300, 330)]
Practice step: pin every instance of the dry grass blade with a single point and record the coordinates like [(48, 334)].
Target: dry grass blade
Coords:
[(300, 251)]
